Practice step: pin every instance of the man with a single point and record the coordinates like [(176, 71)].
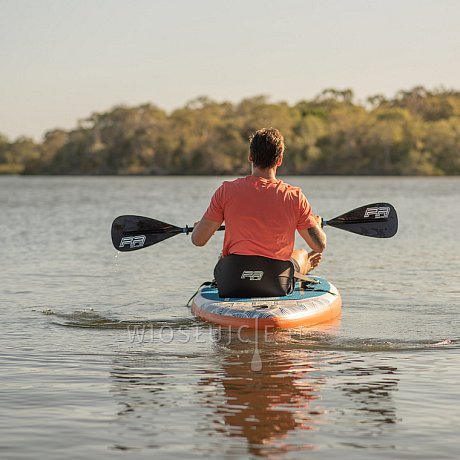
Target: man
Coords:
[(262, 213)]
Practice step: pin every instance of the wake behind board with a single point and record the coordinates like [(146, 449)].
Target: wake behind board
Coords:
[(314, 304)]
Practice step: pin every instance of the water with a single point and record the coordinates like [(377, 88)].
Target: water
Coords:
[(101, 358)]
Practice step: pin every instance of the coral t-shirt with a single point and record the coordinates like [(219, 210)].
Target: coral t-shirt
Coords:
[(261, 216)]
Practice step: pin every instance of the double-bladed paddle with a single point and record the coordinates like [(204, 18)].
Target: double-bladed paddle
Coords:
[(129, 233)]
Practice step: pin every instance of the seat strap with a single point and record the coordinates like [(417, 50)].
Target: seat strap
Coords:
[(299, 276)]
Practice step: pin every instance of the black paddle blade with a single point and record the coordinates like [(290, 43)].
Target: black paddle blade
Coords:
[(377, 220), (136, 232)]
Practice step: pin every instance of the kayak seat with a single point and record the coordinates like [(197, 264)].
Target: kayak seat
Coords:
[(253, 276)]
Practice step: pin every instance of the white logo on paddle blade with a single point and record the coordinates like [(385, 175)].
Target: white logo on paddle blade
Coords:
[(378, 213), (133, 241), (252, 275)]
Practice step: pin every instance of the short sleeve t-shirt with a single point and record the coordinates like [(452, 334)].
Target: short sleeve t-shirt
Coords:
[(261, 216)]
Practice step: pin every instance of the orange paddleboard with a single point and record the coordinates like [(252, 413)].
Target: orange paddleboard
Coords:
[(307, 305)]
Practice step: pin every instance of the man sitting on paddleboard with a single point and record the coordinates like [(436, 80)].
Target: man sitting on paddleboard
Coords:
[(262, 213)]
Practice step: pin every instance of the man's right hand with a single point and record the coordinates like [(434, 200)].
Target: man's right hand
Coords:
[(319, 221)]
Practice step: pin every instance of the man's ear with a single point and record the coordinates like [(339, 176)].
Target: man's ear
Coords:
[(280, 160), (250, 158)]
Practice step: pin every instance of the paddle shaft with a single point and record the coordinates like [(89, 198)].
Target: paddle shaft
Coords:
[(188, 229)]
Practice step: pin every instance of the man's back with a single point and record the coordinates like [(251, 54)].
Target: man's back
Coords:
[(261, 216)]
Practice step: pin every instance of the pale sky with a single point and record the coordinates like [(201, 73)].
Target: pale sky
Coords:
[(61, 60)]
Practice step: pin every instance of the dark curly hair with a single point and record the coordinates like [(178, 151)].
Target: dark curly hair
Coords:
[(266, 147)]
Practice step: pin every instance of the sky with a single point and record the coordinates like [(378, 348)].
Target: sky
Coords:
[(62, 60)]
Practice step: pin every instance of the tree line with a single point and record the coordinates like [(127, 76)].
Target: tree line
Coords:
[(417, 132)]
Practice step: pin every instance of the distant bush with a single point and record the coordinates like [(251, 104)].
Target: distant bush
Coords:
[(415, 133)]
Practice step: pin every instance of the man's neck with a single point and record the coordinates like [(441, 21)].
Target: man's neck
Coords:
[(268, 173)]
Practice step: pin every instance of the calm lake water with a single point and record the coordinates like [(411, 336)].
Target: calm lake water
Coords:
[(101, 358)]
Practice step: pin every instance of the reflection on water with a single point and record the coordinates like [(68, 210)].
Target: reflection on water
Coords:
[(281, 408), (264, 407)]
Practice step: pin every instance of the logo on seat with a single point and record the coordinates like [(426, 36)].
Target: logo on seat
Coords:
[(252, 275)]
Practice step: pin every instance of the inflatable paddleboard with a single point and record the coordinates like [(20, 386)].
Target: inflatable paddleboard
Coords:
[(307, 305)]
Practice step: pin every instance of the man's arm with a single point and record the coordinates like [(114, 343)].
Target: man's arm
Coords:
[(314, 237), (203, 230)]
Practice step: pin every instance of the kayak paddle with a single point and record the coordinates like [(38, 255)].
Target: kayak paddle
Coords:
[(129, 233)]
